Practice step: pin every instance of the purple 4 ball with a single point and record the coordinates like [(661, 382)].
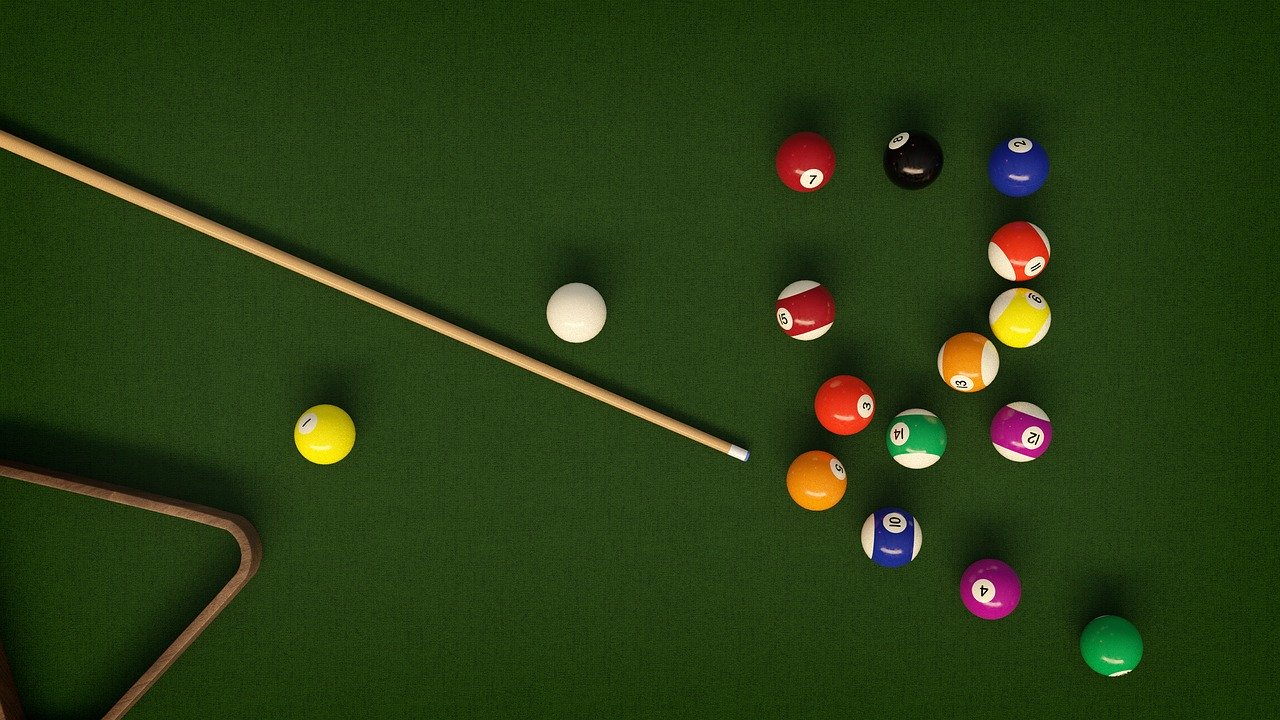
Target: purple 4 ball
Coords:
[(990, 589)]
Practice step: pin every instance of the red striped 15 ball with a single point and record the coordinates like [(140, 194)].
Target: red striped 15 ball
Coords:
[(805, 161), (1018, 251), (805, 310)]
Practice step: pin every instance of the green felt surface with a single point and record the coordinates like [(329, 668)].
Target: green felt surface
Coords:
[(499, 546)]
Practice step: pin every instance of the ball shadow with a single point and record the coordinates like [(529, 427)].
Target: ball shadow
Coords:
[(793, 113), (985, 538), (141, 468), (579, 262), (1100, 595)]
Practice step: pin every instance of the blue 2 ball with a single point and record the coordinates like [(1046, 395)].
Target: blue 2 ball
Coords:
[(1018, 167)]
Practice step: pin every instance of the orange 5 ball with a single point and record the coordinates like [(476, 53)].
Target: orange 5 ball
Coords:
[(816, 480), (844, 405)]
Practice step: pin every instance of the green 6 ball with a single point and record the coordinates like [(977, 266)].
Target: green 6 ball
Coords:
[(916, 438), (1111, 645)]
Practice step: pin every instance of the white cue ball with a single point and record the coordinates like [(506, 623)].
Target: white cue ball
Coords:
[(576, 312)]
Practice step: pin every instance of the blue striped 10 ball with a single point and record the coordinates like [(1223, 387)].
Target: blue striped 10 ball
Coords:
[(891, 537)]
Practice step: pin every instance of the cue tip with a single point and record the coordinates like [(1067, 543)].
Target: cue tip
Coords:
[(739, 452)]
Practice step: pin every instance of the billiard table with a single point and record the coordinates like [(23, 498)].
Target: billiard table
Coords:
[(497, 545)]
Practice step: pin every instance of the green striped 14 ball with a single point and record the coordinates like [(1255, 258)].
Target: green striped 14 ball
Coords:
[(916, 439)]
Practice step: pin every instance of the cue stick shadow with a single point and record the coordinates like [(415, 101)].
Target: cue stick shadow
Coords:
[(345, 283), (245, 535), (241, 223), (336, 265)]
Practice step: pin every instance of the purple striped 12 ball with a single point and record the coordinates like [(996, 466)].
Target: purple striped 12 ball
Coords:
[(990, 589), (1021, 431)]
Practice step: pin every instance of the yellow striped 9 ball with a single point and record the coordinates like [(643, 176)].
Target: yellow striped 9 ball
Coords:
[(1019, 317)]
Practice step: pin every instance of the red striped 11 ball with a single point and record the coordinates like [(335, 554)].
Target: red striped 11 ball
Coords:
[(1018, 251)]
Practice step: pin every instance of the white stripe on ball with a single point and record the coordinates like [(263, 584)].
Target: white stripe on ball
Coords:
[(1043, 238), (990, 362), (796, 288), (1011, 454), (1000, 304), (1030, 409), (869, 535), (916, 461), (1000, 262)]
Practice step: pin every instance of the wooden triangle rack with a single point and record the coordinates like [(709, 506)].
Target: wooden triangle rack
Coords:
[(239, 528)]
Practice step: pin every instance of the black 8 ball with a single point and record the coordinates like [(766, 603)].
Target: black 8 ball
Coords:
[(912, 160)]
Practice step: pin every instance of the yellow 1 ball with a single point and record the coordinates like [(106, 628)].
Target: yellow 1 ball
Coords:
[(324, 434)]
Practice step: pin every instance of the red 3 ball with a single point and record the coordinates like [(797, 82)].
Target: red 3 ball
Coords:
[(844, 405), (805, 161)]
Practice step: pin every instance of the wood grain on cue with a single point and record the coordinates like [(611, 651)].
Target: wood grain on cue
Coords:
[(145, 200)]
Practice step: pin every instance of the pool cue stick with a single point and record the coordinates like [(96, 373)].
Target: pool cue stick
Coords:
[(147, 201)]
